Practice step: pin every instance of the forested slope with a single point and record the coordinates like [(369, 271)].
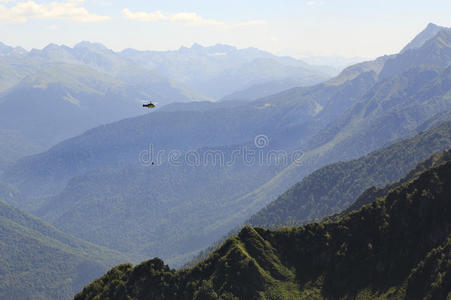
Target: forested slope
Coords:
[(39, 262), (395, 248), (334, 187)]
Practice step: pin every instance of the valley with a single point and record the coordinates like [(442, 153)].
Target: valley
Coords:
[(255, 176)]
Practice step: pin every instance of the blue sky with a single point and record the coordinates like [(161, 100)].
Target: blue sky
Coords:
[(290, 27)]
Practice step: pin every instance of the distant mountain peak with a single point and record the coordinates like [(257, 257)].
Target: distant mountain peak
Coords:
[(197, 46), (428, 33), (435, 51), (222, 48), (433, 25), (443, 37), (51, 46), (218, 48), (4, 49), (91, 46), (53, 51), (19, 51)]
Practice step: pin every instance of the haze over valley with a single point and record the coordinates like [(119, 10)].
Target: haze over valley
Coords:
[(249, 175)]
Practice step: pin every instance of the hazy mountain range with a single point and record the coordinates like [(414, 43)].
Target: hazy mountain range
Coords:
[(171, 182), (219, 70), (367, 106), (57, 92)]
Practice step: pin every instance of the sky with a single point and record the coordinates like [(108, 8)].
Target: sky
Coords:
[(299, 28)]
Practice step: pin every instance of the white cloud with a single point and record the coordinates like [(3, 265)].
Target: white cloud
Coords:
[(188, 18), (70, 10), (143, 16)]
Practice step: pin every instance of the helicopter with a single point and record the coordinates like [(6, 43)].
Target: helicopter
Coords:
[(149, 105)]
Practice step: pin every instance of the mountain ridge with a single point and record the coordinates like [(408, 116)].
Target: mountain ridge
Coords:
[(429, 32), (377, 119), (342, 119), (114, 86), (315, 197), (358, 256)]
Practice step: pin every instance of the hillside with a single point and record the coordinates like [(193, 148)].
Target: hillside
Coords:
[(261, 90), (429, 32), (9, 193), (170, 211), (395, 248), (433, 51), (394, 108), (340, 188), (13, 145), (334, 187), (39, 262), (371, 194), (14, 66), (77, 92)]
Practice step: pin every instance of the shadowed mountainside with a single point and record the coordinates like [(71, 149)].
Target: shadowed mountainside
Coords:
[(334, 187)]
